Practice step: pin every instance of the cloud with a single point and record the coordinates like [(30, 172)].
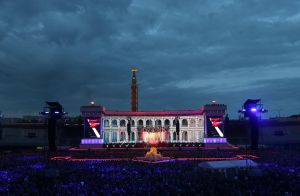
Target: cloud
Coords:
[(187, 53), (240, 79)]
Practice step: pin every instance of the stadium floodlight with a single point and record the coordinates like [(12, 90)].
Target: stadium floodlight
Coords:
[(53, 111), (53, 108), (252, 108)]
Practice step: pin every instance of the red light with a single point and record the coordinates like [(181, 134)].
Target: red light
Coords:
[(216, 121), (93, 123)]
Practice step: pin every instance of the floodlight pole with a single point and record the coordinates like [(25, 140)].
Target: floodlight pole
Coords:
[(52, 133), (251, 109), (53, 112)]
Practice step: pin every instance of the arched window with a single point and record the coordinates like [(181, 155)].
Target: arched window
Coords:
[(133, 123), (167, 123), (114, 123), (132, 136), (106, 137), (140, 122), (122, 136), (174, 123), (114, 136), (193, 123), (123, 123), (140, 135), (200, 122), (158, 123), (184, 123), (167, 136), (149, 123), (174, 136), (106, 123), (185, 136)]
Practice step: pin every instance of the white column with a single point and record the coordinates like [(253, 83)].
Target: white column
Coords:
[(136, 136), (180, 136), (110, 136)]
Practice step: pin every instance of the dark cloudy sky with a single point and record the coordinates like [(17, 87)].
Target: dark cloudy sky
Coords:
[(187, 53)]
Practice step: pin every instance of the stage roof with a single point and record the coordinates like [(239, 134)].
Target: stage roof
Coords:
[(155, 113)]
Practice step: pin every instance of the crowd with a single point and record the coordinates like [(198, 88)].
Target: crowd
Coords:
[(32, 173)]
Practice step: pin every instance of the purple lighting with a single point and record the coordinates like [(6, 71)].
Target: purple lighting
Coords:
[(215, 140), (253, 109), (91, 141), (38, 166)]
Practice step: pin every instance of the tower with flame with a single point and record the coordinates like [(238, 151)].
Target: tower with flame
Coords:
[(134, 91)]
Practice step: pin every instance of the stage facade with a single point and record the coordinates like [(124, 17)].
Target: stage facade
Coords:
[(165, 127)]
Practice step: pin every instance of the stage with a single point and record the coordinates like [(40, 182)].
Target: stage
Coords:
[(209, 143), (130, 154)]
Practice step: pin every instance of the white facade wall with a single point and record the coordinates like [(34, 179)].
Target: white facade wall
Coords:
[(194, 129)]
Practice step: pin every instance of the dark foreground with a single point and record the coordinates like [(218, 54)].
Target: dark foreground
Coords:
[(32, 173)]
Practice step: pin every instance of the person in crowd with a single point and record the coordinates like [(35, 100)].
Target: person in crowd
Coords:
[(33, 173)]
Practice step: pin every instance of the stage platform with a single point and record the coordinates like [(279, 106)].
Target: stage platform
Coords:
[(162, 145), (211, 143), (131, 154)]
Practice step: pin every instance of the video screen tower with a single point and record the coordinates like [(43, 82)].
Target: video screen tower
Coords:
[(215, 114)]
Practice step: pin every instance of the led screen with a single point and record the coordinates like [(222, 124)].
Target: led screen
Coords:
[(215, 126), (92, 127)]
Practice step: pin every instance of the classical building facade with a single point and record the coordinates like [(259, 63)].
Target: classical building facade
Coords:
[(109, 127), (143, 123), (185, 126)]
